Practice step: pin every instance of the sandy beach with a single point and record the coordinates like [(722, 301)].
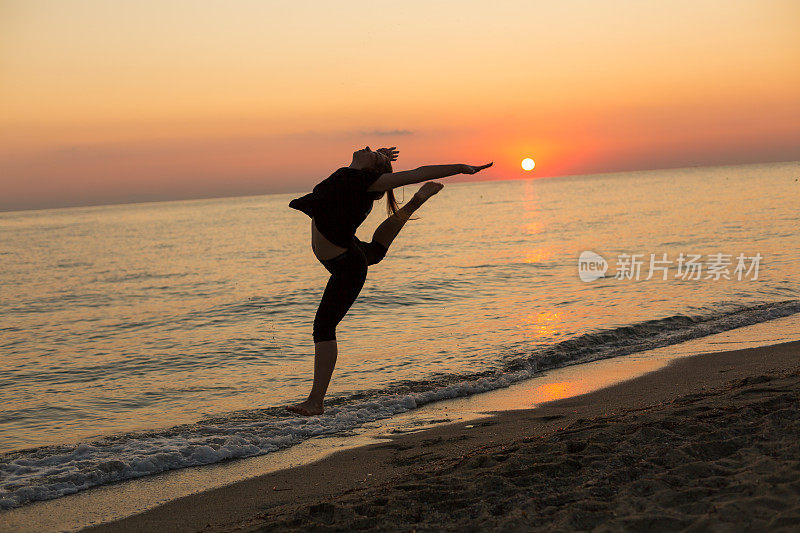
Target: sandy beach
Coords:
[(709, 442)]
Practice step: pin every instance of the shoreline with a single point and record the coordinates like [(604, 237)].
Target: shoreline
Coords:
[(332, 492), (115, 502)]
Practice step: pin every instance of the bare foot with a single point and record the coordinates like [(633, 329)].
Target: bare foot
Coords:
[(306, 408), (429, 189)]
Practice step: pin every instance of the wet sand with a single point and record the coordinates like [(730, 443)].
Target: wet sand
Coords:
[(709, 442)]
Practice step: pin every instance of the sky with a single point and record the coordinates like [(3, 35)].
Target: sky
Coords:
[(111, 101)]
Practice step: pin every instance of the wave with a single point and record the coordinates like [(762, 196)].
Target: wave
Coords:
[(52, 471)]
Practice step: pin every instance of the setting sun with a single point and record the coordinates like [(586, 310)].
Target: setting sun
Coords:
[(528, 163)]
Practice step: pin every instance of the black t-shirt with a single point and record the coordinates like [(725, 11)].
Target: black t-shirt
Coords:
[(340, 203)]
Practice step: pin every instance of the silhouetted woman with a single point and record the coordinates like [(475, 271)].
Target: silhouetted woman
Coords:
[(337, 206)]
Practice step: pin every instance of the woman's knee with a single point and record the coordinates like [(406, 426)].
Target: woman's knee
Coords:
[(330, 312), (323, 332), (377, 252)]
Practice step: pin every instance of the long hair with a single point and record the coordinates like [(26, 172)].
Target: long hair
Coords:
[(391, 202)]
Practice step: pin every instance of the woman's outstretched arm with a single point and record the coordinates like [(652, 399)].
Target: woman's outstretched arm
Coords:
[(392, 180)]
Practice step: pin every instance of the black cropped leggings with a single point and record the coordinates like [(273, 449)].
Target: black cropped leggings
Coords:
[(348, 273)]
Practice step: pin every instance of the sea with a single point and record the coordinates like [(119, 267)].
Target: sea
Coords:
[(141, 338)]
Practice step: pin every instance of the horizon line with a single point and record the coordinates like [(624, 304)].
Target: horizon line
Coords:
[(189, 199)]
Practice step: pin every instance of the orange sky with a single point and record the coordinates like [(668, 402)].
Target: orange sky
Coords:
[(106, 102)]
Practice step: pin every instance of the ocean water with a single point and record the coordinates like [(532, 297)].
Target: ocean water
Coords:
[(147, 337)]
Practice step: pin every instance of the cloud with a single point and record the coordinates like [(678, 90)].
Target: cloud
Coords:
[(388, 132), (342, 134)]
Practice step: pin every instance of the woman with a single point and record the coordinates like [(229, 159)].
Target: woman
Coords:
[(337, 206)]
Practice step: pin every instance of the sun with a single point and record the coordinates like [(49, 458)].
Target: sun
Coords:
[(528, 163)]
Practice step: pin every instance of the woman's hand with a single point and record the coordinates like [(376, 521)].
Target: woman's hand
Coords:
[(468, 169), (391, 153)]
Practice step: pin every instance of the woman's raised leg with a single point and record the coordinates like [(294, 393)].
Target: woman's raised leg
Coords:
[(389, 228)]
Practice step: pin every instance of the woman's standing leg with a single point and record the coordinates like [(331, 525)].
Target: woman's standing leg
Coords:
[(347, 279)]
